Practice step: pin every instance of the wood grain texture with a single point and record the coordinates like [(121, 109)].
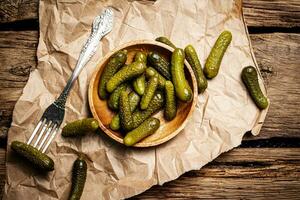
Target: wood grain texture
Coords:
[(277, 55), (239, 174), (243, 173), (258, 13)]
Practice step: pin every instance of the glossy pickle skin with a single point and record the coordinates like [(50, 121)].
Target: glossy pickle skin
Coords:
[(134, 100), (193, 60), (139, 83), (149, 92), (79, 173), (38, 159), (166, 41), (124, 74), (113, 101), (182, 88), (171, 107), (113, 65), (125, 112), (157, 103), (215, 57), (150, 71), (160, 64), (80, 127), (148, 127), (250, 79)]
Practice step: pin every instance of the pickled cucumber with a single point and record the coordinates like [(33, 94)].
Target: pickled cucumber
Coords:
[(125, 73), (147, 128), (149, 92), (160, 64), (171, 108), (152, 72), (215, 57), (113, 101), (114, 64), (192, 58), (79, 173), (166, 41), (140, 57), (134, 100), (157, 103), (125, 112), (182, 89), (250, 79), (139, 84), (38, 159), (80, 127)]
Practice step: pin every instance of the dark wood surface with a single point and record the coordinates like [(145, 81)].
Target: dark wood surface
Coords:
[(264, 167)]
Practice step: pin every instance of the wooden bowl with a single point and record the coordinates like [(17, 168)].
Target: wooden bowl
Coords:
[(167, 129)]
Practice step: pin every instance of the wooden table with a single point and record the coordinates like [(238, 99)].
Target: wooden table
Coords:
[(263, 167)]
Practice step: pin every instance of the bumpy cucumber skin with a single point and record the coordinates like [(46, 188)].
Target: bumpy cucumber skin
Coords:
[(125, 112), (147, 128), (150, 71), (114, 64), (250, 79), (157, 102), (166, 41), (215, 57), (80, 127), (171, 108), (140, 57), (113, 101), (182, 88), (139, 84), (149, 92), (192, 58), (160, 64), (134, 100), (38, 159), (78, 178), (125, 73)]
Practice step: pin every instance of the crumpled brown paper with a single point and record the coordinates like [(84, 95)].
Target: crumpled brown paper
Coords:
[(222, 116)]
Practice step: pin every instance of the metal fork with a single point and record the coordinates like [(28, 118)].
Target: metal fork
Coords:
[(53, 116)]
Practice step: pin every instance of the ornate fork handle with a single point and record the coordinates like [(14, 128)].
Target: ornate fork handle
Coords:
[(102, 25)]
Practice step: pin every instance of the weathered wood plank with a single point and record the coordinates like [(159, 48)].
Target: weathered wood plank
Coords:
[(277, 55), (242, 173), (258, 13), (239, 174)]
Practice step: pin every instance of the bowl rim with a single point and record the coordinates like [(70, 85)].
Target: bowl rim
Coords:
[(107, 130)]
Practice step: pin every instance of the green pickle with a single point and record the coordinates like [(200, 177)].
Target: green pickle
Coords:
[(192, 58), (215, 57), (166, 41), (171, 108), (124, 74), (125, 112), (114, 64), (113, 101), (139, 83), (250, 79), (160, 64), (79, 173), (149, 92), (38, 159), (150, 71), (157, 103), (147, 128), (80, 127), (134, 100), (182, 88)]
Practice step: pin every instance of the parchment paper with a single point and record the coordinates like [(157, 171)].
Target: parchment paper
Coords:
[(222, 116)]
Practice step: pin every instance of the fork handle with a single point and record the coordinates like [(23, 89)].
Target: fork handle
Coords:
[(101, 26)]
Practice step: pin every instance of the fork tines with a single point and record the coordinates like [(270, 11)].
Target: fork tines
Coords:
[(45, 132)]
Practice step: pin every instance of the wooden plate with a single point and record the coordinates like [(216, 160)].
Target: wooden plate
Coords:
[(167, 130)]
